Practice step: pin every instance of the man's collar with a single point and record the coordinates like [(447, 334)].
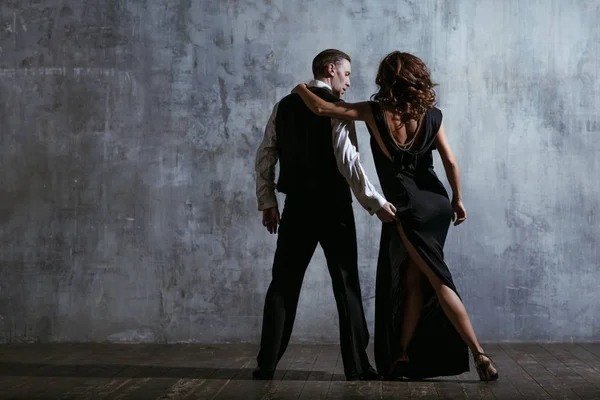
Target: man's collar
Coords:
[(320, 84)]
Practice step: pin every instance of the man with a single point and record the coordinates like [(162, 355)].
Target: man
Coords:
[(319, 165)]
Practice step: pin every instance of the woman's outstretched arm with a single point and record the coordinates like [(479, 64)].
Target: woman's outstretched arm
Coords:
[(340, 110), (453, 175)]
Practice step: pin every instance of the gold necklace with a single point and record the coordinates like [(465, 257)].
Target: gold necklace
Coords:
[(402, 146)]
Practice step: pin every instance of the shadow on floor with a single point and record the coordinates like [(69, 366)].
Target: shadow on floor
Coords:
[(143, 371), (152, 371)]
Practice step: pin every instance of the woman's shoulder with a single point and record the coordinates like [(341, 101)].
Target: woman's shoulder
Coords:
[(435, 111), (436, 115), (435, 120), (376, 107)]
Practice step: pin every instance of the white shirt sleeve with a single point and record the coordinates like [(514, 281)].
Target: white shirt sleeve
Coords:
[(345, 148), (266, 159)]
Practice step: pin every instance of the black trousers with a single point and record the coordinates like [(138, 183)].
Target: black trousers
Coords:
[(302, 228)]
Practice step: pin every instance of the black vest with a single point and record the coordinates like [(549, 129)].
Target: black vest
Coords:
[(304, 146)]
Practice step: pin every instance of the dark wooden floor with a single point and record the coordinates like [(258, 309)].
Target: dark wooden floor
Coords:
[(121, 371)]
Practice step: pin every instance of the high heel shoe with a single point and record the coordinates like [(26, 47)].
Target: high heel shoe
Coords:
[(398, 368), (483, 367)]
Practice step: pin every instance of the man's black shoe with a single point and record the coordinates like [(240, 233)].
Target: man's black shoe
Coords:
[(262, 374), (368, 375)]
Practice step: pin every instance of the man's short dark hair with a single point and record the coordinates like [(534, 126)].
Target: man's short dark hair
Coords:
[(326, 57)]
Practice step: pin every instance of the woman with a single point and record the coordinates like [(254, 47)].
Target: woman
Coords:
[(421, 326)]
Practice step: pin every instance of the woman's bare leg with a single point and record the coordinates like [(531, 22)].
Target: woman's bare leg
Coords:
[(449, 300), (412, 306)]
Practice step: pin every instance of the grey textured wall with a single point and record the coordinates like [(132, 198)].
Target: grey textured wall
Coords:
[(128, 134)]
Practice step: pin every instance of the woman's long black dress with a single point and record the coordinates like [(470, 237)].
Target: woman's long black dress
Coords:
[(424, 210)]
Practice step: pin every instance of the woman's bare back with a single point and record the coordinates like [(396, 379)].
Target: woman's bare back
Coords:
[(403, 133)]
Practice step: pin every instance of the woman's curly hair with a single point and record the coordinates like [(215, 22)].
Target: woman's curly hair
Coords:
[(405, 85)]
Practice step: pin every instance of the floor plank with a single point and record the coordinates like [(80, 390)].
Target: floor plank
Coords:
[(473, 388), (593, 348), (287, 362), (394, 390), (580, 377), (355, 390), (230, 366), (28, 366), (422, 390), (340, 388), (549, 373), (449, 388), (294, 379), (319, 379), (308, 372), (525, 382)]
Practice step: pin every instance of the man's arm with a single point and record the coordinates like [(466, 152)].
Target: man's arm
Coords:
[(266, 159), (348, 161)]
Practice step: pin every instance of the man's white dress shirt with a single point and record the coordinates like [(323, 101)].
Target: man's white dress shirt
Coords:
[(345, 148)]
